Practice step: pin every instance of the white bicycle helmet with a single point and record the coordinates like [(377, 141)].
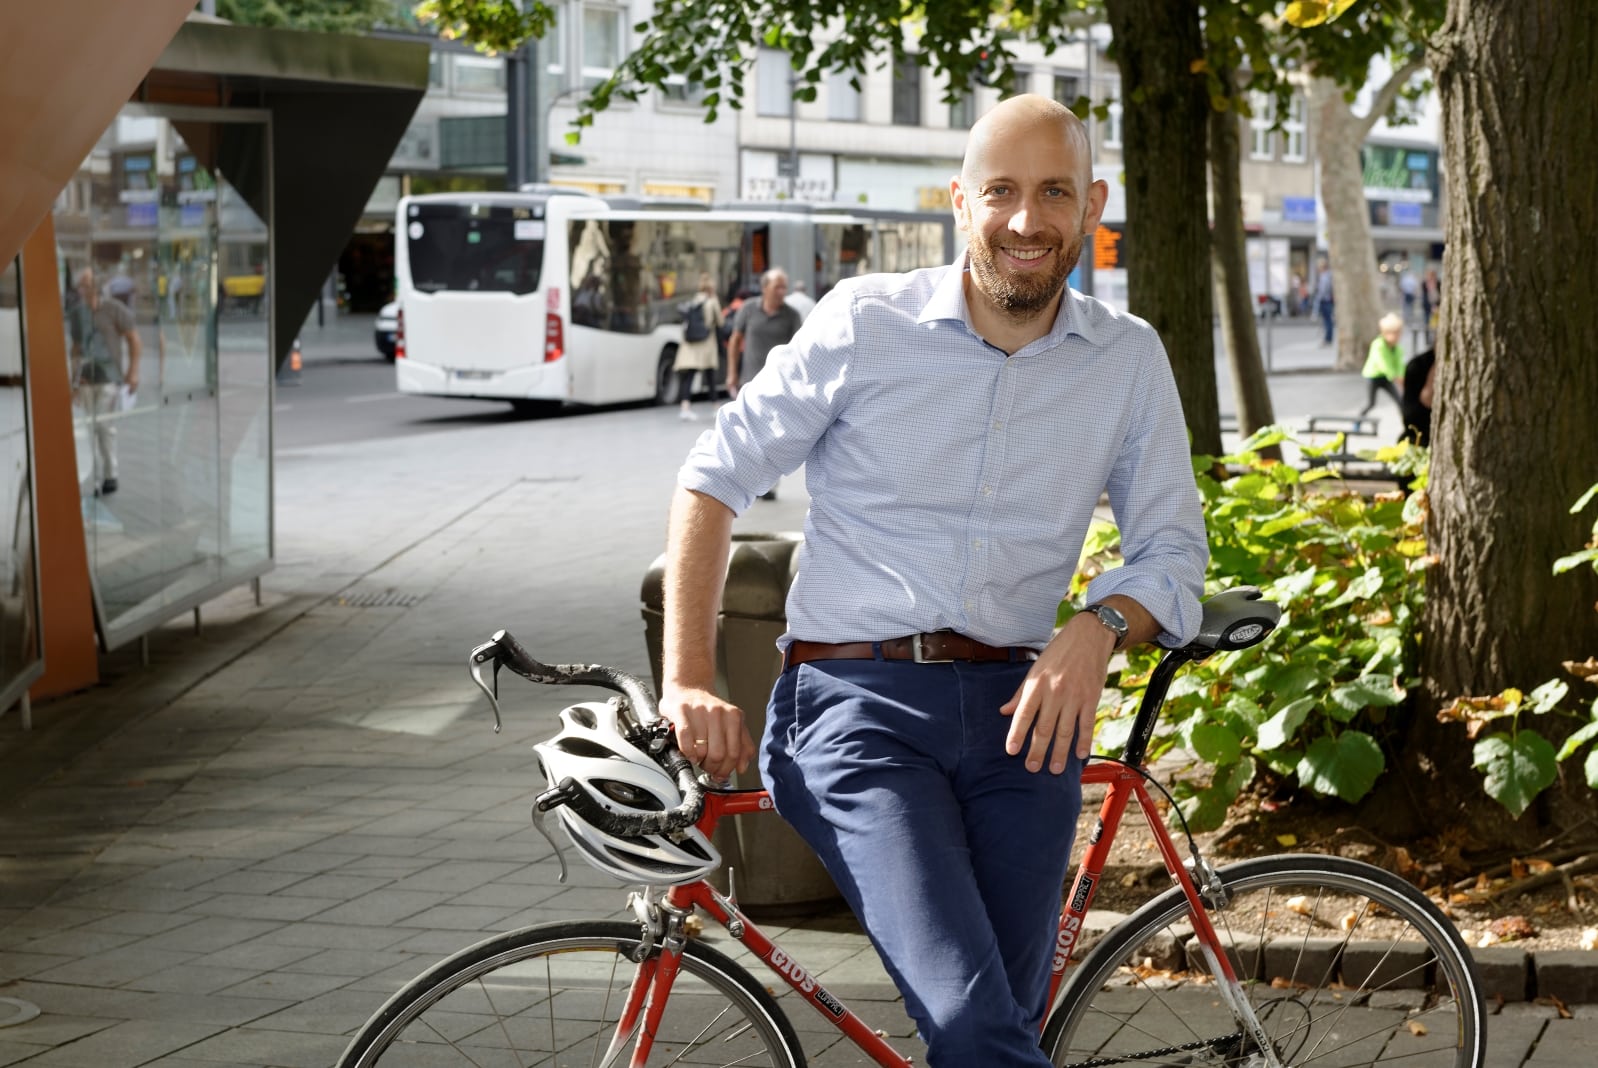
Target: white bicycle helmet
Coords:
[(592, 751)]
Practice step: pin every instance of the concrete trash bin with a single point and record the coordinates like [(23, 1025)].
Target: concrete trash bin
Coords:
[(774, 867)]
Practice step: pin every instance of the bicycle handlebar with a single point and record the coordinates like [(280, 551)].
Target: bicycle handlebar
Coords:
[(1233, 619), (505, 651)]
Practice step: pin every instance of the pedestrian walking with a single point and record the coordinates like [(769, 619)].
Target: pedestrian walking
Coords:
[(99, 326), (957, 425), (760, 326), (701, 348), (1384, 363), (1325, 304)]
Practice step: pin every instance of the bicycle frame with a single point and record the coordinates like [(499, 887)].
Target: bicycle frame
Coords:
[(651, 985)]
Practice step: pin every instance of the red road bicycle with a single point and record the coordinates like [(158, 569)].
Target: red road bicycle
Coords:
[(1279, 961)]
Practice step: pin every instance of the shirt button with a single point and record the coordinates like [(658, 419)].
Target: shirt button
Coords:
[(969, 605), (998, 426), (987, 491), (976, 544)]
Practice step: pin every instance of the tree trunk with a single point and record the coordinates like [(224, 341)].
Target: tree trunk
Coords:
[(1165, 117), (1339, 133), (1249, 386), (1515, 430)]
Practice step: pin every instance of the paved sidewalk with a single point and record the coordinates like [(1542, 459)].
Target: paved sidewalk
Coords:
[(234, 855)]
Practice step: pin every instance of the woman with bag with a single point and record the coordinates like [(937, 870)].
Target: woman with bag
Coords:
[(698, 352)]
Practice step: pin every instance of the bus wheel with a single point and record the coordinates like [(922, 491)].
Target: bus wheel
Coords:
[(535, 408), (666, 378)]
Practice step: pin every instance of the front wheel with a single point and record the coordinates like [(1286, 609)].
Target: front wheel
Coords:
[(557, 995), (1340, 963)]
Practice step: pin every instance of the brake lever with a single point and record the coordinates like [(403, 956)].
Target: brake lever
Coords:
[(489, 650)]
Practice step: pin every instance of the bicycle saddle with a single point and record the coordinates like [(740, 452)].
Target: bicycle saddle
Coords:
[(1234, 619)]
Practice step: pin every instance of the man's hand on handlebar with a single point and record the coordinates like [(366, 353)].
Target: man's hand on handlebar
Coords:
[(710, 731)]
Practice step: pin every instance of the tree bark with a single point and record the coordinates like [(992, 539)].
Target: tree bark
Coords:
[(1165, 117), (1350, 250), (1249, 385), (1515, 426)]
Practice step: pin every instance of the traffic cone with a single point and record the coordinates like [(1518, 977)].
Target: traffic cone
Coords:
[(290, 375)]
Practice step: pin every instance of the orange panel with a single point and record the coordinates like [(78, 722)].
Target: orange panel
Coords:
[(71, 659)]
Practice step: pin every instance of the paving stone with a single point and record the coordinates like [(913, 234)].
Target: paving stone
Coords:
[(1386, 964), (1311, 961), (192, 979), (288, 1049), (265, 906), (358, 963), (1571, 975), (1566, 1044), (1505, 972), (21, 964), (256, 955), (382, 908), (459, 917), (335, 936), (16, 1052), (125, 1045), (288, 984), (209, 934), (114, 968)]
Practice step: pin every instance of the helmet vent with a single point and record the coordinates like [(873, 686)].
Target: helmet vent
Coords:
[(583, 716), (582, 747), (625, 793)]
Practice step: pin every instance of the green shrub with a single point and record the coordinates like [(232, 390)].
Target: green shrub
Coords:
[(1311, 702)]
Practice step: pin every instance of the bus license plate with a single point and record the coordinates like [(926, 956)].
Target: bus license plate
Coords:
[(473, 375)]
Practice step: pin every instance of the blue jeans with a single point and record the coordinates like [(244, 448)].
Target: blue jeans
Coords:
[(949, 851), (1327, 319)]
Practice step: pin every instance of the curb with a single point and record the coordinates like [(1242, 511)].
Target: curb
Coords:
[(1571, 975)]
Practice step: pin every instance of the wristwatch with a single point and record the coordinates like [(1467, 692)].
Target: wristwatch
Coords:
[(1112, 619)]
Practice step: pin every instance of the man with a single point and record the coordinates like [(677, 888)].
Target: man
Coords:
[(99, 326), (1325, 305), (957, 426), (760, 326)]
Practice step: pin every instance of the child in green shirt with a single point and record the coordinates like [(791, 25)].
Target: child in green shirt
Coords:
[(1384, 366)]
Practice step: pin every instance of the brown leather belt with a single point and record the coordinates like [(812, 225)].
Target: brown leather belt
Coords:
[(937, 647)]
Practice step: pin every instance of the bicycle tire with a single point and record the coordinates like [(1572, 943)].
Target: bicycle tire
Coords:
[(549, 996), (1325, 994)]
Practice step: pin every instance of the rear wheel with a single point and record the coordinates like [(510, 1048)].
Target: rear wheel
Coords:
[(552, 996), (1340, 963), (666, 391)]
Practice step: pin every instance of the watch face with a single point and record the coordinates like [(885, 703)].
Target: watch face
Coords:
[(1112, 619)]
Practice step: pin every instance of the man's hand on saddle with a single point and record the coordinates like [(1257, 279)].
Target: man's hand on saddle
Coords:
[(710, 732), (1059, 698)]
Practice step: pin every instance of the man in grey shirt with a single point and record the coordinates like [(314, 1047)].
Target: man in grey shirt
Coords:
[(760, 326), (99, 325)]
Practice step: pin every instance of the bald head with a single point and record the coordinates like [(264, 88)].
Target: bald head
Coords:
[(1020, 120)]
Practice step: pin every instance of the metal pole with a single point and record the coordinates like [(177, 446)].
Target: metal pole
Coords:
[(793, 132), (515, 119)]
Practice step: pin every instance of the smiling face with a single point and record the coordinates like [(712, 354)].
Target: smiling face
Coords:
[(1026, 199)]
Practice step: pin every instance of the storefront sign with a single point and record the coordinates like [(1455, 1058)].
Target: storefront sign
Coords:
[(1298, 209)]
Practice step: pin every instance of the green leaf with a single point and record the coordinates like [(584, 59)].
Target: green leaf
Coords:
[(1586, 499), (1206, 809), (1592, 769), (1574, 560), (1547, 696), (1367, 585), (1346, 766), (1280, 728), (1293, 680), (1289, 521), (1577, 740), (1215, 744), (1516, 767), (1366, 691)]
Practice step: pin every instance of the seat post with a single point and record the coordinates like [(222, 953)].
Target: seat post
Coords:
[(1148, 712)]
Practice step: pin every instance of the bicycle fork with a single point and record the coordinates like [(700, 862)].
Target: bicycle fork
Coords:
[(1124, 784)]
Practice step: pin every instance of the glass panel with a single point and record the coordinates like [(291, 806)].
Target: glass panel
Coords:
[(19, 600), (843, 99), (631, 275), (774, 83), (906, 91), (166, 316), (479, 74)]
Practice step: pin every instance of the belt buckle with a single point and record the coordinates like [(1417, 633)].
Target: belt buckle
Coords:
[(917, 652)]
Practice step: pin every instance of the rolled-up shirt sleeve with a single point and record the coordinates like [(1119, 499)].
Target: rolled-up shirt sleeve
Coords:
[(1156, 505), (779, 415)]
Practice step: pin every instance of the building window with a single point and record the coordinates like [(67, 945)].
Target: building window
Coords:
[(1112, 125), (553, 46), (1293, 131), (478, 74), (773, 83), (843, 99), (679, 90), (435, 71), (963, 112), (1067, 88), (906, 91), (1262, 141), (603, 33)]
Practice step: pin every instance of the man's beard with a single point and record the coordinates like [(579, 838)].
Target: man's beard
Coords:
[(1020, 295)]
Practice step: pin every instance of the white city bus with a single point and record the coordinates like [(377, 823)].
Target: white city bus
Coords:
[(546, 297)]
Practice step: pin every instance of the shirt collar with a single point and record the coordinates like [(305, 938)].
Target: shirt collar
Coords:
[(948, 303)]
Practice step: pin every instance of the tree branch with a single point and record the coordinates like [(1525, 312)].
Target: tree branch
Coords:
[(1383, 101)]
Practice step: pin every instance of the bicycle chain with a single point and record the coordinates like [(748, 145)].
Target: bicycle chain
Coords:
[(1167, 1051)]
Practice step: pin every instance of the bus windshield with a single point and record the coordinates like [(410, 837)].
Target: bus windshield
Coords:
[(474, 248)]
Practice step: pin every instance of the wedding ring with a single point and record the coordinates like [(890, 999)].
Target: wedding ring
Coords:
[(701, 741)]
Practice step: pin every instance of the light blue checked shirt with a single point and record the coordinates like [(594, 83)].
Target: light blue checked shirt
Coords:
[(951, 486)]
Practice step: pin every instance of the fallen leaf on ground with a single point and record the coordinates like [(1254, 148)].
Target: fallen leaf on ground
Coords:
[(1512, 928), (1559, 1006), (1287, 839), (1589, 938), (1416, 1028)]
